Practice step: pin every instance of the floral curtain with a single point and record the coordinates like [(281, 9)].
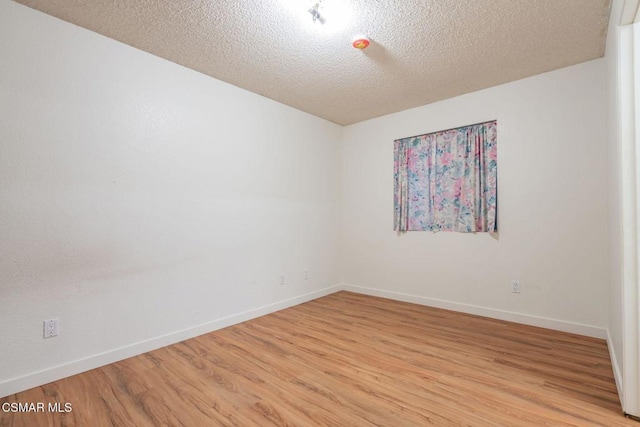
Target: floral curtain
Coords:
[(447, 181)]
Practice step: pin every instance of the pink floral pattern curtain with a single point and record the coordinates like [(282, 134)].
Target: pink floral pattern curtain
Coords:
[(447, 181)]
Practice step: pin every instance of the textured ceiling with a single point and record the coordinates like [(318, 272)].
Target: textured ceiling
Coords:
[(421, 51)]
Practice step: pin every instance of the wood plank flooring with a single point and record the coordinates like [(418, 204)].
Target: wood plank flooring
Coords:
[(347, 360)]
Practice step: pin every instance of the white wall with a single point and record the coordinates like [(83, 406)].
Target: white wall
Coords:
[(139, 198), (614, 168), (553, 219)]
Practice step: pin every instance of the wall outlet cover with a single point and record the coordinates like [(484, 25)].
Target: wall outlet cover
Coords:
[(51, 328)]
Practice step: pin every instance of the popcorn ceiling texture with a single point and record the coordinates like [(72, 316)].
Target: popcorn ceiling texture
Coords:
[(420, 52)]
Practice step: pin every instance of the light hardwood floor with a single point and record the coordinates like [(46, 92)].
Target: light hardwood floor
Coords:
[(348, 360)]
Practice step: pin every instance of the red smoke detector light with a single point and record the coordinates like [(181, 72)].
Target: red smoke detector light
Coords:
[(360, 42)]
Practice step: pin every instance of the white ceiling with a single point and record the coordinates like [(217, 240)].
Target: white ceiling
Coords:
[(421, 51)]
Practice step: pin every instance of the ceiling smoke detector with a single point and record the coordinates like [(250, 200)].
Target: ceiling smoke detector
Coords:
[(360, 42), (315, 13)]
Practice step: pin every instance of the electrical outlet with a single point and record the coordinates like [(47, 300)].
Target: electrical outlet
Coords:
[(306, 275), (51, 328), (282, 282), (515, 286)]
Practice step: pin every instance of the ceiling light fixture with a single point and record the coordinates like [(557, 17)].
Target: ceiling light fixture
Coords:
[(315, 13), (322, 18)]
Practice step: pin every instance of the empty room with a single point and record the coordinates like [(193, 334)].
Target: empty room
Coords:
[(319, 213)]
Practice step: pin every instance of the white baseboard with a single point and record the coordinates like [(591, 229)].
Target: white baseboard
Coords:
[(543, 322), (617, 374), (15, 385)]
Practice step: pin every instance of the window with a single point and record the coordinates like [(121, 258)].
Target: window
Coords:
[(447, 181)]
